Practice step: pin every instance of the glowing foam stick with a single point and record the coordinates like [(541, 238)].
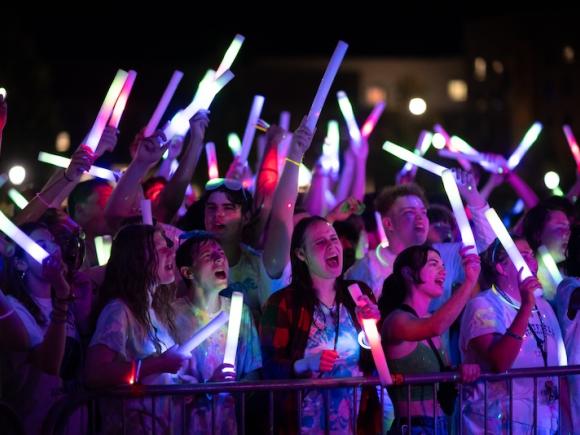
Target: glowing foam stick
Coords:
[(230, 55), (452, 191), (304, 176), (122, 100), (106, 109), (203, 333), (146, 212), (163, 103), (460, 146), (235, 144), (528, 140), (371, 122), (508, 244), (236, 306), (347, 112), (211, 156), (63, 162), (374, 339), (213, 88), (103, 248), (21, 239), (17, 198), (3, 93), (412, 158), (438, 128), (550, 265), (476, 158), (325, 85), (330, 160), (421, 147), (572, 144), (383, 237), (284, 121), (248, 137)]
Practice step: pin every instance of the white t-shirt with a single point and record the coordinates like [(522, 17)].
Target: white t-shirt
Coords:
[(571, 332), (488, 313)]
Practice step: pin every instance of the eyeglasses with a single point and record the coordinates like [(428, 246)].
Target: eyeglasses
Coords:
[(229, 183)]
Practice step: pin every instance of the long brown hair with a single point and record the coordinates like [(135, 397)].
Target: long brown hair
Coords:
[(131, 272)]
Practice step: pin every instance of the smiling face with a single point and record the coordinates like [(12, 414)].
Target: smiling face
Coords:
[(165, 258), (432, 276), (407, 221), (210, 268), (321, 250)]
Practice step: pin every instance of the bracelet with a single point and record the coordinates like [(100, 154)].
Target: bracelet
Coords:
[(8, 314), (512, 335), (293, 162), (41, 199), (68, 179)]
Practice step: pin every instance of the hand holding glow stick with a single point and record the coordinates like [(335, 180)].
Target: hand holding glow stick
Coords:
[(452, 191), (370, 328), (63, 162), (203, 333), (22, 239)]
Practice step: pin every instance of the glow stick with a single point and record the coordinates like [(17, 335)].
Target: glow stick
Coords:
[(21, 239), (304, 176), (476, 158), (285, 120), (347, 112), (235, 144), (230, 55), (510, 247), (236, 306), (106, 109), (211, 157), (550, 265), (146, 212), (17, 197), (452, 191), (371, 122), (122, 100), (325, 85), (163, 103), (330, 160), (248, 138), (63, 162), (381, 229), (103, 248), (374, 339), (3, 93), (438, 128), (203, 333), (414, 159), (421, 147), (572, 144), (528, 140)]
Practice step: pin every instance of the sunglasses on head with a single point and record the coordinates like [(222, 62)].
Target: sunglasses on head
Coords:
[(229, 183)]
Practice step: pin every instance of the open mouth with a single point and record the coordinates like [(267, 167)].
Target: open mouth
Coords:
[(333, 261), (169, 267), (440, 281), (220, 274)]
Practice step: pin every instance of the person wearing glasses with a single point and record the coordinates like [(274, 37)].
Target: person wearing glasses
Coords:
[(507, 327)]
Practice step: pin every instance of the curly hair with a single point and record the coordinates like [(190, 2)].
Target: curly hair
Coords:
[(130, 274)]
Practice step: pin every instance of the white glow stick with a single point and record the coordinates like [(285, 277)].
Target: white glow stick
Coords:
[(103, 248), (381, 229), (285, 120), (371, 122), (508, 244), (304, 176), (330, 159), (347, 112), (230, 55), (550, 265), (21, 239), (63, 162), (325, 85), (421, 147), (236, 306), (146, 211), (572, 144), (250, 131), (106, 109), (438, 128), (476, 158), (235, 144), (3, 93), (528, 140), (370, 328), (212, 166), (122, 100), (17, 197), (163, 103), (412, 158), (452, 191), (203, 333)]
